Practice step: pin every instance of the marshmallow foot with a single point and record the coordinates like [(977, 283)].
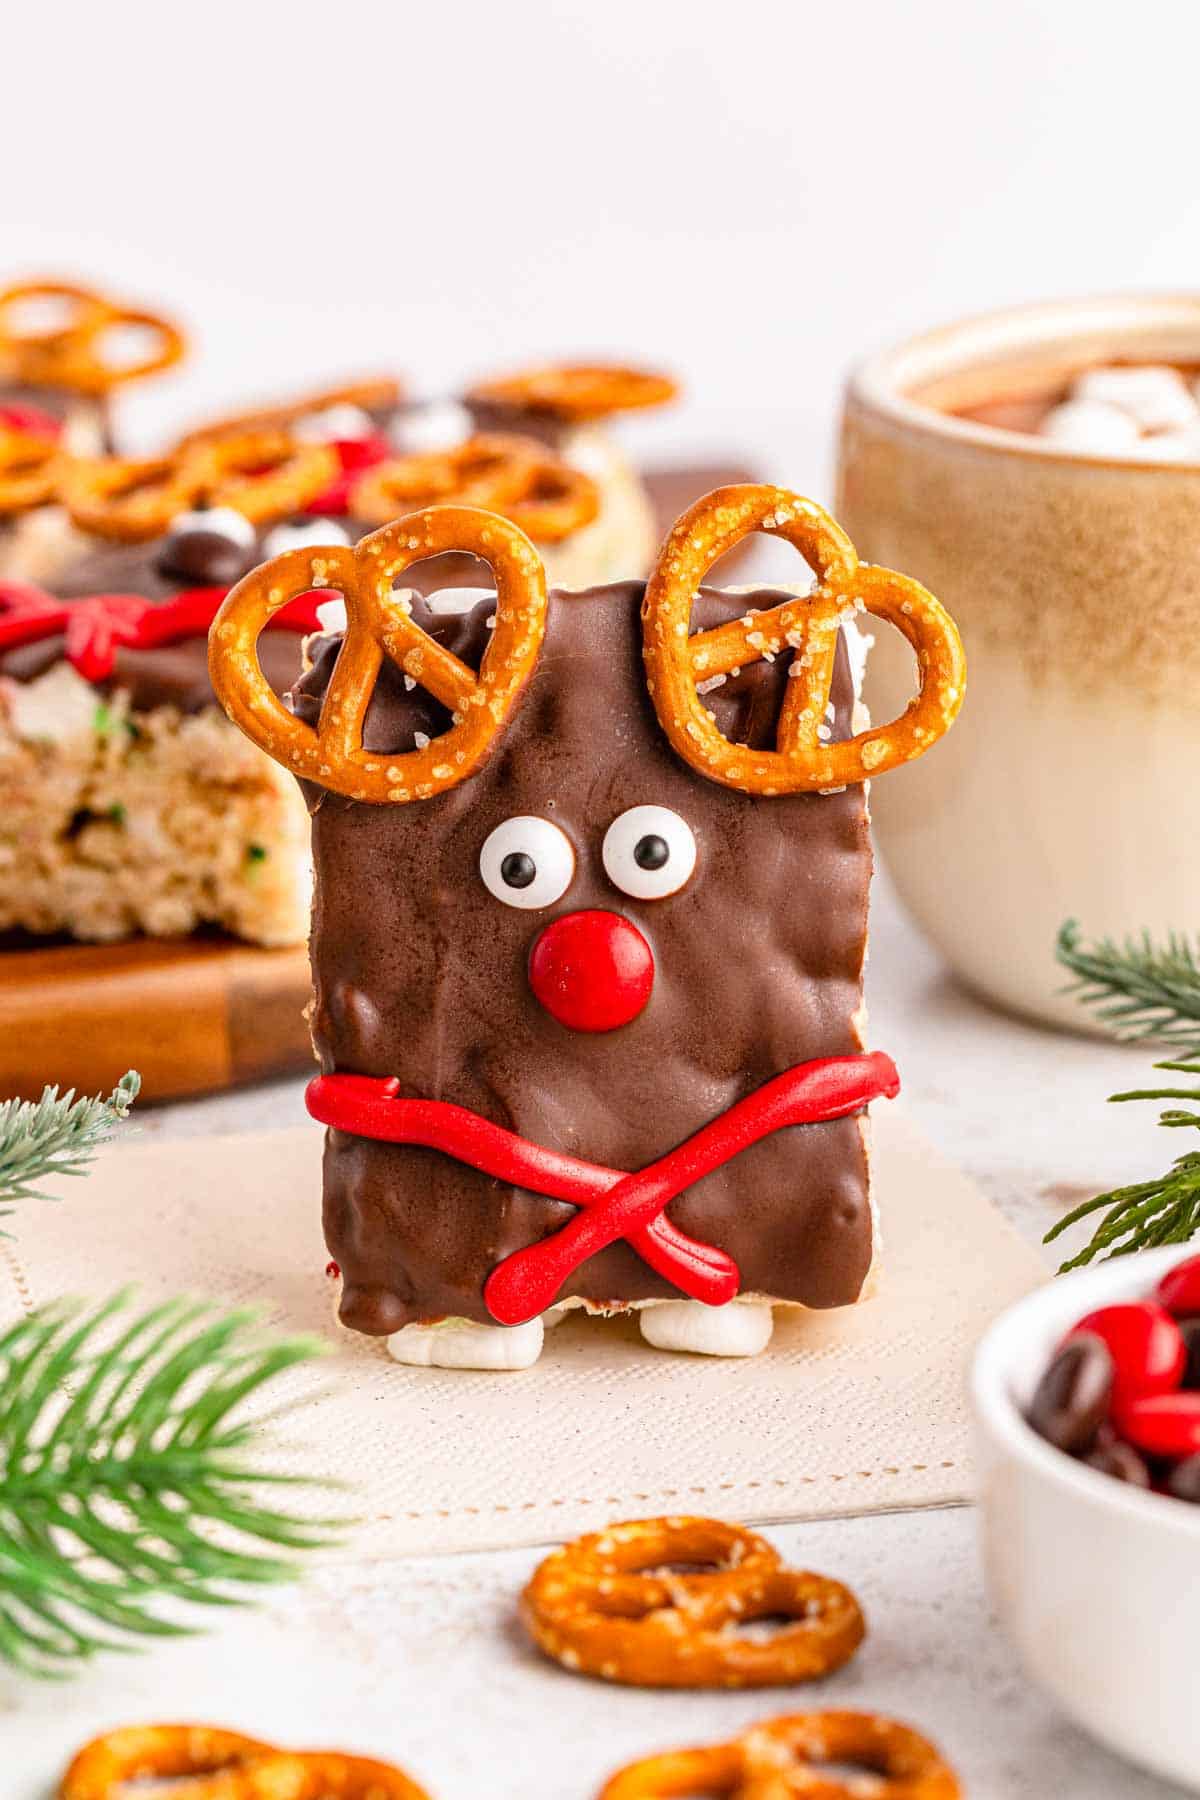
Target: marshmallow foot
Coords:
[(742, 1328), (461, 1344)]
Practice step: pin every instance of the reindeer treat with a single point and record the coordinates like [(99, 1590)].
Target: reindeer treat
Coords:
[(590, 920), (515, 445), (131, 804), (64, 350)]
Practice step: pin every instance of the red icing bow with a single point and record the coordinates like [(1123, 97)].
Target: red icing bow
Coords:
[(30, 421), (612, 1204), (95, 627)]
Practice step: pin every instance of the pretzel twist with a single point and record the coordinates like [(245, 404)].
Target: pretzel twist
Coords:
[(227, 1766), (71, 355), (783, 1758), (32, 467), (574, 392), (376, 393), (262, 474), (514, 476), (141, 1751), (379, 625), (808, 627), (608, 1605)]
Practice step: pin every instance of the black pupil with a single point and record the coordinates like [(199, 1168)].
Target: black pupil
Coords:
[(517, 870), (651, 851)]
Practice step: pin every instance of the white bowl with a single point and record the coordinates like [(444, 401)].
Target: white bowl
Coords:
[(1096, 1582)]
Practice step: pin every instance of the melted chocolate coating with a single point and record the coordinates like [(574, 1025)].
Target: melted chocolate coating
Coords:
[(420, 973), (172, 675)]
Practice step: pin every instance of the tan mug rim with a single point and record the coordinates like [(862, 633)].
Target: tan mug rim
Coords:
[(1089, 330)]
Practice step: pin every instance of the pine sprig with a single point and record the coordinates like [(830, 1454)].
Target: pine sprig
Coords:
[(126, 1494), (1149, 1213), (1140, 989), (56, 1135)]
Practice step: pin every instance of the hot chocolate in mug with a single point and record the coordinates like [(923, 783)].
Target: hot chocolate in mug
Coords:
[(1071, 787)]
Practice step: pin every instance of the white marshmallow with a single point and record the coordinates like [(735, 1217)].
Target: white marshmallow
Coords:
[(341, 421), (331, 615), (1090, 426), (314, 534), (1156, 398), (223, 519), (1171, 447), (461, 1344), (742, 1328), (435, 425), (449, 602), (58, 708)]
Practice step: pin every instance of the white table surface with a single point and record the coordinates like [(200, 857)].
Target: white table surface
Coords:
[(422, 1661)]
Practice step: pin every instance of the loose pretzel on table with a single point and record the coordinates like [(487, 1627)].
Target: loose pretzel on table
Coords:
[(263, 475), (378, 624), (613, 1605), (70, 355), (574, 392), (783, 1759), (514, 476), (227, 1766), (676, 661)]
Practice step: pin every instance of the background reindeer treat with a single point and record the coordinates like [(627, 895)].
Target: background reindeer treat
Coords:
[(580, 956), (130, 804), (591, 515), (64, 350)]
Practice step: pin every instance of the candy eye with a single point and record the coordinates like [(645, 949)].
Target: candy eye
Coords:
[(313, 532), (649, 852), (527, 862)]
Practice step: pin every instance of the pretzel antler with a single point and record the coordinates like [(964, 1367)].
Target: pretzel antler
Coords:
[(262, 474), (574, 393), (379, 625), (801, 761), (375, 393), (31, 468), (71, 354), (515, 476)]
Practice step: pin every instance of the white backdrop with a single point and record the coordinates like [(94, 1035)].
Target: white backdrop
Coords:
[(751, 193)]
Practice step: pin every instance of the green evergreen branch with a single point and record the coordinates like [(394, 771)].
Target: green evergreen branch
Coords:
[(1149, 1213), (56, 1135), (125, 1491), (1139, 989)]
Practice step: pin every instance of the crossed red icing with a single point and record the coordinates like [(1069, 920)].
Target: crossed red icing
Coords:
[(612, 1204), (94, 627)]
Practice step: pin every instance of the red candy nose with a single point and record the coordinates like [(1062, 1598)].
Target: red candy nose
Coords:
[(592, 971)]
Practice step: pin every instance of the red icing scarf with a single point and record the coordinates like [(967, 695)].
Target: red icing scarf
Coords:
[(612, 1204)]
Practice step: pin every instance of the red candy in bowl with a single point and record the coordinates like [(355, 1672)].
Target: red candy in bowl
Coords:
[(1086, 1397)]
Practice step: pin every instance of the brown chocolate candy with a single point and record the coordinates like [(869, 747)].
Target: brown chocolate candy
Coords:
[(1071, 1401), (1184, 1480), (1113, 1456), (200, 556)]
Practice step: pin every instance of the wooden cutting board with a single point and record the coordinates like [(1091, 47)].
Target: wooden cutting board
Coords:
[(191, 1016)]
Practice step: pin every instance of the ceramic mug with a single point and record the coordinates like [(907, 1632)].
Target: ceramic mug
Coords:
[(1070, 786)]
